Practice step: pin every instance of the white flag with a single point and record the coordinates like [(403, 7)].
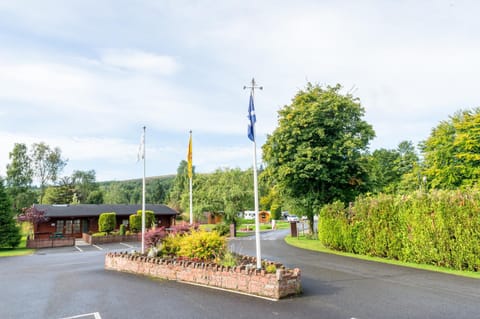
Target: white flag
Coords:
[(141, 148)]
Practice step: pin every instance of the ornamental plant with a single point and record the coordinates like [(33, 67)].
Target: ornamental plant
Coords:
[(107, 222)]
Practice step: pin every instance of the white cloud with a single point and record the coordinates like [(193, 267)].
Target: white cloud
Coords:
[(139, 61)]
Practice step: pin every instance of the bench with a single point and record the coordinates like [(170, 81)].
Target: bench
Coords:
[(56, 235)]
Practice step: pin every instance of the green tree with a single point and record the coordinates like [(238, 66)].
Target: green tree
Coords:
[(63, 193), (20, 177), (47, 165), (452, 151), (317, 153), (85, 183), (9, 231), (95, 197), (389, 167), (179, 187), (226, 191)]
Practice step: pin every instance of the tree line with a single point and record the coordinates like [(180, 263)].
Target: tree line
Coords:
[(318, 154)]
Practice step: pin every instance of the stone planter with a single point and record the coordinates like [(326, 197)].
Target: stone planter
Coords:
[(241, 279)]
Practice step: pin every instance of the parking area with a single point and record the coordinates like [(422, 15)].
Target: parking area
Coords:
[(81, 247)]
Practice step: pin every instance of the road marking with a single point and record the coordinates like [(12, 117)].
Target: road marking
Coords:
[(95, 315), (98, 247), (127, 245), (79, 249)]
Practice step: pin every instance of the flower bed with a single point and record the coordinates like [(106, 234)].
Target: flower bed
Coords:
[(244, 279)]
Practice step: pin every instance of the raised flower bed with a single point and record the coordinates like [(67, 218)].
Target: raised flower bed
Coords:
[(243, 279)]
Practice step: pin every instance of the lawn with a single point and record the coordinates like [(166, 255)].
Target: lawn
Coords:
[(19, 251), (316, 245)]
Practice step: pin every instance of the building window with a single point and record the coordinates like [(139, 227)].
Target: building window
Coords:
[(125, 222), (68, 226), (59, 228), (76, 226)]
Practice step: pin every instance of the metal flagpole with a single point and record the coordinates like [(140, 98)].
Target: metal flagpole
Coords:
[(252, 118), (190, 175), (143, 194)]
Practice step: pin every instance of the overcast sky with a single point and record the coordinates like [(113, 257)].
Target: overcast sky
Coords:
[(86, 76)]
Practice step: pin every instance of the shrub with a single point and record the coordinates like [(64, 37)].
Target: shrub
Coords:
[(122, 230), (149, 218), (229, 259), (222, 229), (440, 228), (202, 245), (107, 222), (154, 236), (99, 234), (170, 245), (271, 269), (135, 223)]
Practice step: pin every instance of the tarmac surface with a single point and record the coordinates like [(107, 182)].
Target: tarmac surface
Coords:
[(71, 283)]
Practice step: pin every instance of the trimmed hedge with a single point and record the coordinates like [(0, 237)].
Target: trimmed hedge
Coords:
[(107, 222), (135, 220), (441, 228)]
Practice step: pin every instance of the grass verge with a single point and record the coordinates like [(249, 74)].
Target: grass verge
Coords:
[(21, 250), (316, 245)]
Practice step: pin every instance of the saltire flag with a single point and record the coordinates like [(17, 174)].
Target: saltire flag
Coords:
[(141, 148), (189, 157), (252, 119)]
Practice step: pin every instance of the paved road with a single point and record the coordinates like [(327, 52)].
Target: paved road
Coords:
[(65, 282)]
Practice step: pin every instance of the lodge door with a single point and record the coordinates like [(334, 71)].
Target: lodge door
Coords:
[(85, 226)]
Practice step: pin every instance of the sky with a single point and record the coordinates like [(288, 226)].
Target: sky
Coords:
[(86, 76)]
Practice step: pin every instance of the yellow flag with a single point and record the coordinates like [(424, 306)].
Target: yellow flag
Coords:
[(189, 157)]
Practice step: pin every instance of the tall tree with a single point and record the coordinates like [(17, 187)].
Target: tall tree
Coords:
[(9, 231), (84, 183), (63, 193), (452, 151), (47, 165), (20, 177), (389, 167), (317, 152), (179, 187)]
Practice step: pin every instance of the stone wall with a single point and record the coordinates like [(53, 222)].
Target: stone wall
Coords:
[(283, 283)]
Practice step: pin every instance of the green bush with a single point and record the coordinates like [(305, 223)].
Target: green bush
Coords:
[(222, 229), (202, 245), (440, 228), (135, 222), (99, 234), (149, 218), (122, 230), (107, 222), (171, 245)]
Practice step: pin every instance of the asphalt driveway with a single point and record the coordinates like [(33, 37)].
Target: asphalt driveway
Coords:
[(68, 283)]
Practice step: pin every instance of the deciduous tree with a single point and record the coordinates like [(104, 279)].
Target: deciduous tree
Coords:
[(317, 152)]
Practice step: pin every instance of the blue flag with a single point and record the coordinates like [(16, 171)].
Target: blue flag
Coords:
[(252, 119)]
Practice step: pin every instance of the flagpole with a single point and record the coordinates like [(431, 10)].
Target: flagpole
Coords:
[(143, 194), (255, 178), (190, 175)]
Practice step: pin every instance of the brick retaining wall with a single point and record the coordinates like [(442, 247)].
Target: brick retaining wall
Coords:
[(284, 282), (50, 243), (93, 240)]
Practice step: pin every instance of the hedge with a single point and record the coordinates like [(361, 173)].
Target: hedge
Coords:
[(440, 228), (107, 222), (135, 220)]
